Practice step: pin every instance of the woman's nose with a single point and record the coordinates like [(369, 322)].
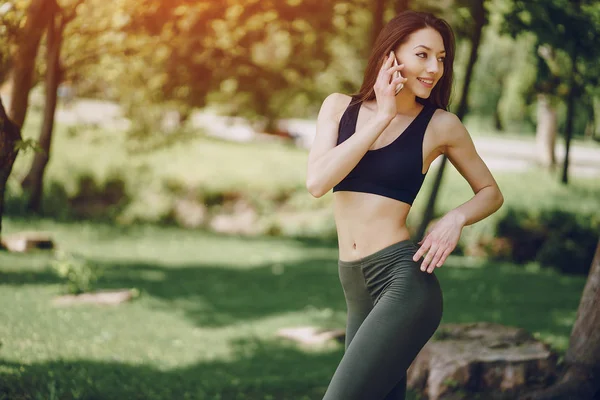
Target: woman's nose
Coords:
[(433, 67)]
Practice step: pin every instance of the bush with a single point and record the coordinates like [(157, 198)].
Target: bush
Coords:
[(78, 274), (554, 238)]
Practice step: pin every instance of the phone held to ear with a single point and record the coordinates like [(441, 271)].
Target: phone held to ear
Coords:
[(397, 75)]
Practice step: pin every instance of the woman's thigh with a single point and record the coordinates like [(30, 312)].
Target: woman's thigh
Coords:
[(358, 300), (404, 318)]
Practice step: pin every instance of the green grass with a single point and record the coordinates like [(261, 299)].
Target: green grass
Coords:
[(195, 160), (204, 325)]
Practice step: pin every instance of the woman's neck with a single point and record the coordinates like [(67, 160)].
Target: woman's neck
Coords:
[(406, 103)]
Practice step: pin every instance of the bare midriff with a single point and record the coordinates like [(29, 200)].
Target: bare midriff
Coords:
[(367, 223)]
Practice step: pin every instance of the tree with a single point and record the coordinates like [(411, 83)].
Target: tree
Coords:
[(580, 378), (247, 56), (12, 14), (33, 181), (401, 5), (27, 45), (378, 19), (10, 136), (568, 29), (379, 9)]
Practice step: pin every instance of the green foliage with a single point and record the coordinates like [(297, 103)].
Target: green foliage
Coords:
[(28, 144), (566, 32), (561, 24), (79, 275), (12, 15), (554, 238), (242, 54)]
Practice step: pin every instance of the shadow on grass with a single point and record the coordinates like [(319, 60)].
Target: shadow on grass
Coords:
[(45, 277), (259, 370), (221, 295), (218, 296)]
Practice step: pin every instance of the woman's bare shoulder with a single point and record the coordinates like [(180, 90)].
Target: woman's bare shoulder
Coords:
[(335, 104), (447, 126), (442, 118)]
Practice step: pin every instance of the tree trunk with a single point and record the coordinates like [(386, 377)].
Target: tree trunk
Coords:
[(498, 124), (9, 136), (581, 376), (478, 11), (545, 134), (402, 5), (480, 21), (584, 344), (378, 14), (570, 114), (34, 181), (28, 42)]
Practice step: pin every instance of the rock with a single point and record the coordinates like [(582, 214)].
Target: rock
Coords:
[(112, 297), (189, 213), (25, 241), (241, 220), (310, 335), (480, 358)]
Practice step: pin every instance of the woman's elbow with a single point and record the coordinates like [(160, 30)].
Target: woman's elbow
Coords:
[(499, 199), (314, 188)]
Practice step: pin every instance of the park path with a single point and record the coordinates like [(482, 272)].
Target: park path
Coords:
[(500, 154)]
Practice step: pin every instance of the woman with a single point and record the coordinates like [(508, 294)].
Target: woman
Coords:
[(374, 150)]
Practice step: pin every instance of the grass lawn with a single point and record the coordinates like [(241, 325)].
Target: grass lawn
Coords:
[(204, 325)]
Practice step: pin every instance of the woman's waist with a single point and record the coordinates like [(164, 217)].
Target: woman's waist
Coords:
[(357, 242)]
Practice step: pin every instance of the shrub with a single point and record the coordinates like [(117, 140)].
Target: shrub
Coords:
[(554, 238), (78, 274)]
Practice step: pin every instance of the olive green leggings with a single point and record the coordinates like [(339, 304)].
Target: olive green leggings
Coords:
[(393, 310)]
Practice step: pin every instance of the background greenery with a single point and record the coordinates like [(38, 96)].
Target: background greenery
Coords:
[(209, 306)]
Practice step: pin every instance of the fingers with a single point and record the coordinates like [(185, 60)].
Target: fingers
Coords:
[(392, 70), (387, 67), (436, 255), (427, 261), (389, 78), (424, 247), (398, 80), (389, 60), (435, 259), (443, 258)]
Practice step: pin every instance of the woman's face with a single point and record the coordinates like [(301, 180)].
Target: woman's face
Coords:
[(422, 55)]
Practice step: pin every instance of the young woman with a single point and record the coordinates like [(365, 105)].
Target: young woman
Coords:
[(374, 150)]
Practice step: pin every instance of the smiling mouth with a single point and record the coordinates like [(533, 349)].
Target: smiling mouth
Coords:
[(427, 82)]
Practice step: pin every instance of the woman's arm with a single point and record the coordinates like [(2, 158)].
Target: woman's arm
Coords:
[(460, 150), (329, 163)]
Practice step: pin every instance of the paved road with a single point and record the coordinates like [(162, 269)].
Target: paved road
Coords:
[(498, 153)]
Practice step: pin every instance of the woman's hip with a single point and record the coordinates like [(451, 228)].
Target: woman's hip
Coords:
[(391, 272)]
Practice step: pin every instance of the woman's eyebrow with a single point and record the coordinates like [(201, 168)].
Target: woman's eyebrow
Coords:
[(422, 45)]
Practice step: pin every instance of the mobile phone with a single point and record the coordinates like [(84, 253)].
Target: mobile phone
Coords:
[(396, 75)]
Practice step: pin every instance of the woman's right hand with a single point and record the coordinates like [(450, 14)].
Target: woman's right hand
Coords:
[(385, 87)]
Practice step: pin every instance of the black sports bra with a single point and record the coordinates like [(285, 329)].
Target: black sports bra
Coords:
[(393, 171)]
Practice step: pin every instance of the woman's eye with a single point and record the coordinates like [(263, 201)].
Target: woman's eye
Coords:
[(441, 59), (422, 55)]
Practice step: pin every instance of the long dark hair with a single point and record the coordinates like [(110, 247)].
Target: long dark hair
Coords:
[(396, 32)]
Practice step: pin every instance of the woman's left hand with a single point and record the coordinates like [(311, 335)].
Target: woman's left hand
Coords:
[(440, 241)]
